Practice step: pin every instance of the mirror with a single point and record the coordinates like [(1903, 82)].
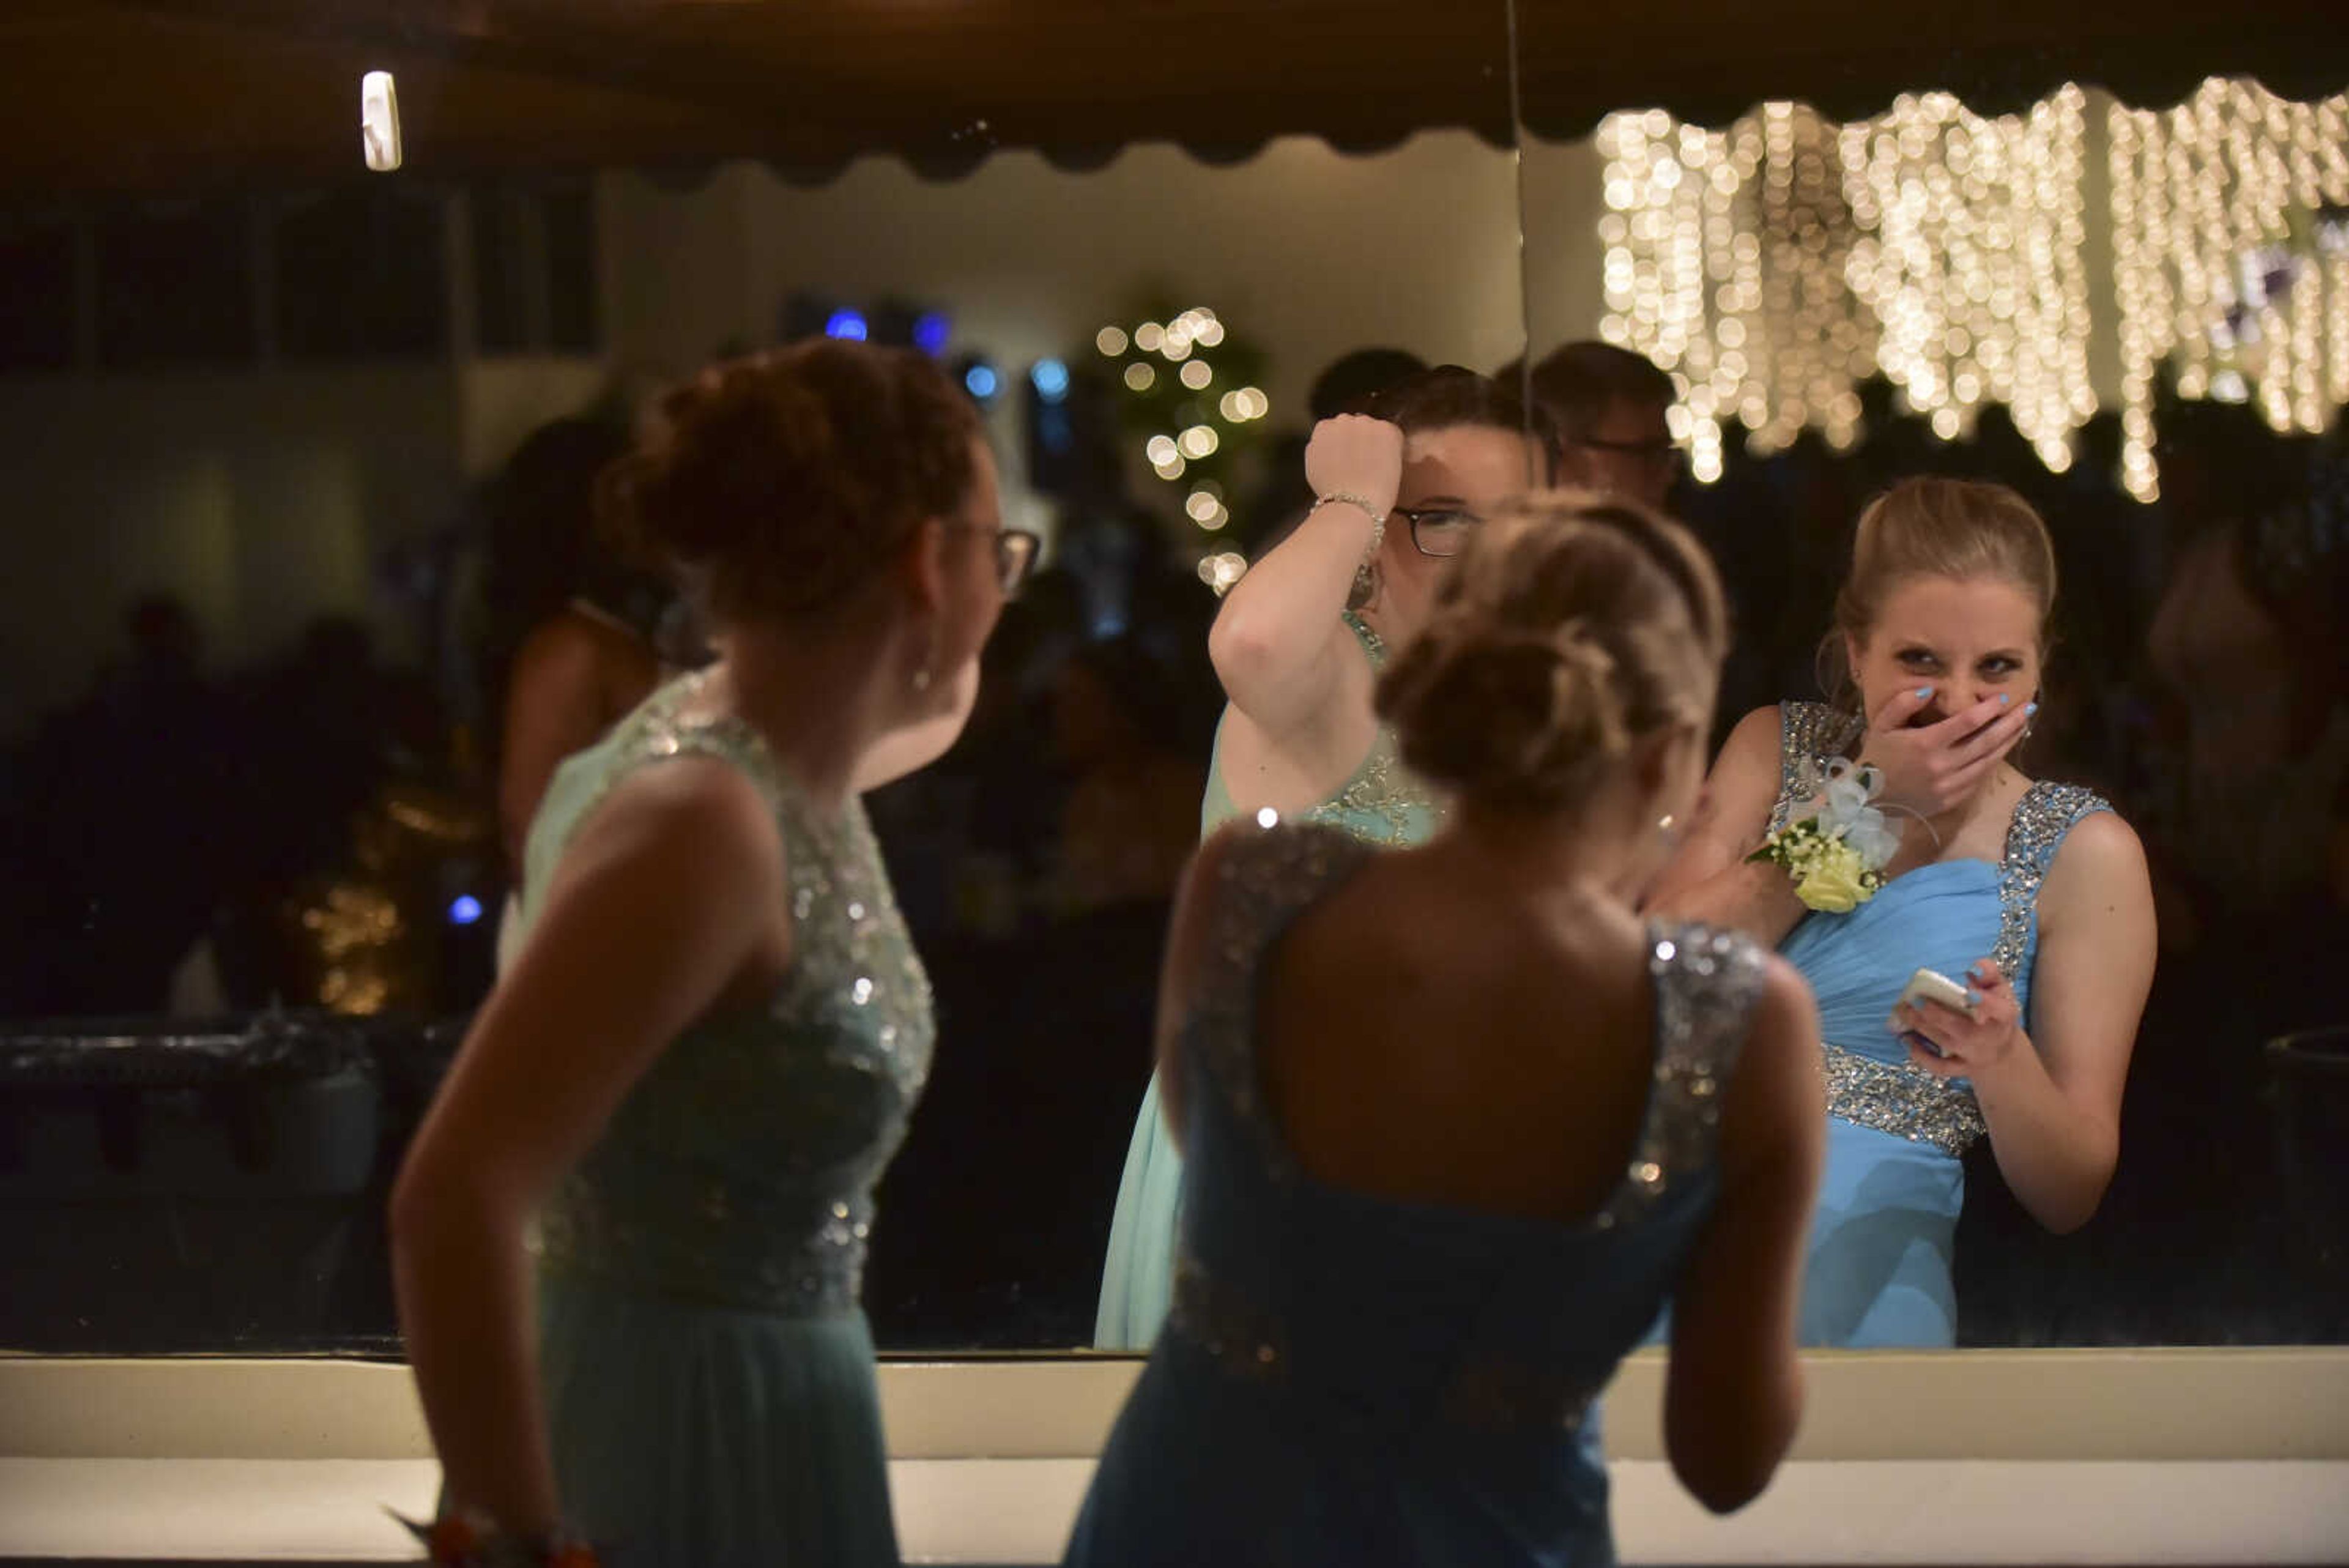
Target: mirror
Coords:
[(2131, 305), (298, 451), (300, 456)]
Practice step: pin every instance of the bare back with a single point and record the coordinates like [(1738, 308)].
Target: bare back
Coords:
[(1430, 1038)]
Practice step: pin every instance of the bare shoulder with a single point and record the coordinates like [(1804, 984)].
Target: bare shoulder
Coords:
[(1787, 1012), (2100, 861), (693, 817), (1779, 1090), (1744, 784), (567, 643), (1756, 739)]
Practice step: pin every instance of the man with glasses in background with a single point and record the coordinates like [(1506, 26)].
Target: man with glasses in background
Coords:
[(1609, 404)]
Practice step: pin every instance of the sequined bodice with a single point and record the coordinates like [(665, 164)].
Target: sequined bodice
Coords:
[(1478, 1321), (740, 1171), (1383, 803), (1943, 916)]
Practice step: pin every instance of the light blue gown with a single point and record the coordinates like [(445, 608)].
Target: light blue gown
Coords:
[(707, 1370), (1347, 1379), (1877, 1273), (1382, 804)]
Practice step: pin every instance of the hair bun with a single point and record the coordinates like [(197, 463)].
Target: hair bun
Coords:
[(1493, 709), (1566, 630), (785, 479)]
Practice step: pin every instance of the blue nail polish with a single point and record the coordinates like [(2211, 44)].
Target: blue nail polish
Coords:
[(1924, 692), (2030, 709), (2004, 698)]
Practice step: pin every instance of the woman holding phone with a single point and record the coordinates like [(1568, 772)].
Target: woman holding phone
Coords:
[(1888, 832)]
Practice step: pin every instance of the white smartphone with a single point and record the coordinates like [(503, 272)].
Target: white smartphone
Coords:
[(1931, 986)]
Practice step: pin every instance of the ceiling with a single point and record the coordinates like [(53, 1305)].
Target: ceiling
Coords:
[(161, 98)]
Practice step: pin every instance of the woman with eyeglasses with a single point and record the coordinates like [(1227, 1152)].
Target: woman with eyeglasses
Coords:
[(629, 1237), (1299, 645), (1421, 1229)]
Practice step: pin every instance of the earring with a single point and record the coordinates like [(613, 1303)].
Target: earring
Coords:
[(921, 682), (1664, 823)]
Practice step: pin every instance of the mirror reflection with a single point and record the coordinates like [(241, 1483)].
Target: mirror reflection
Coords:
[(309, 611), (2016, 438), (314, 612)]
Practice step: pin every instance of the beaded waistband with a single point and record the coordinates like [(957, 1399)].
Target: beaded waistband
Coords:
[(1906, 1102), (1488, 1394)]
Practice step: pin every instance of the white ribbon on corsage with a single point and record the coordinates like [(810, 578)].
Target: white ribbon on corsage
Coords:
[(1844, 813)]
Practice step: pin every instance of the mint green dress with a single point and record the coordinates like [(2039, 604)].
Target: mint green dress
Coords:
[(706, 1367), (1381, 804)]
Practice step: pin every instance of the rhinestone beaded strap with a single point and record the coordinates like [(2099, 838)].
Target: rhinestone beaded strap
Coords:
[(1810, 735), (2044, 814), (1706, 985)]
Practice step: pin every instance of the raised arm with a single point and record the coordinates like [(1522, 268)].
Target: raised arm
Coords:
[(1709, 879), (663, 905), (1278, 642), (2050, 1085), (1734, 1392)]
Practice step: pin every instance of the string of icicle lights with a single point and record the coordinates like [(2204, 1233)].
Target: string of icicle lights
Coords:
[(2208, 277), (1774, 265)]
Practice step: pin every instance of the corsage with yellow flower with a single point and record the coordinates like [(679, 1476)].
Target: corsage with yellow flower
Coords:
[(1837, 857)]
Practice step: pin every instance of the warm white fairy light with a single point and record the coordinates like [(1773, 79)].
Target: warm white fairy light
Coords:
[(2198, 190), (1182, 340), (1772, 266), (1206, 509), (1723, 265), (1219, 572), (1974, 262)]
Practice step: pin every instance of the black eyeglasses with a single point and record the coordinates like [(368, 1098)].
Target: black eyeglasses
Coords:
[(1015, 557), (1438, 531)]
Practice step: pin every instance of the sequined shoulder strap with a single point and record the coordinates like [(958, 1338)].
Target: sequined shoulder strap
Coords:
[(1707, 984), (2045, 814), (655, 733), (1809, 733), (1265, 879), (1374, 647)]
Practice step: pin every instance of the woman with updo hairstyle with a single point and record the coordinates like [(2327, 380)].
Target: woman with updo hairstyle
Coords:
[(2032, 899), (627, 1239), (1298, 645), (1457, 1121)]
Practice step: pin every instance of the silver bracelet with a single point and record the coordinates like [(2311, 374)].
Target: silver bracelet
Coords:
[(1378, 518)]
